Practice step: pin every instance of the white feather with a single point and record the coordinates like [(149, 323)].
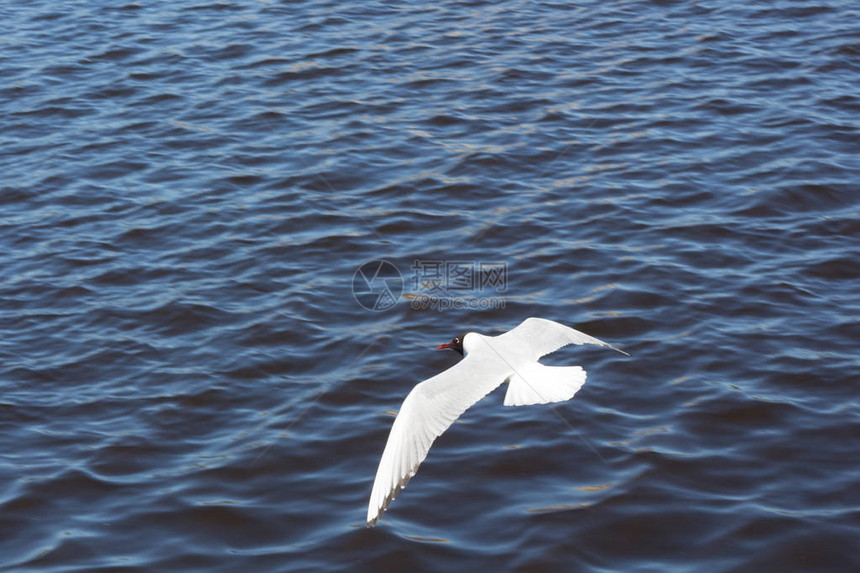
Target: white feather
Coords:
[(539, 337), (433, 405), (539, 384)]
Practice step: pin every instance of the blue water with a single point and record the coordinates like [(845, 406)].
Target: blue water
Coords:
[(187, 189)]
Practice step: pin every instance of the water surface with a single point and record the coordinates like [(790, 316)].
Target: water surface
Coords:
[(188, 383)]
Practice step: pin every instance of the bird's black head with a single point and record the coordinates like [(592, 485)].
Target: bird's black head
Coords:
[(456, 344)]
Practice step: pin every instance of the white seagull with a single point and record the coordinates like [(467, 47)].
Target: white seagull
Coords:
[(433, 405)]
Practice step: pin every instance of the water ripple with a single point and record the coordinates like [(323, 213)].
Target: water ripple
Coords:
[(188, 383)]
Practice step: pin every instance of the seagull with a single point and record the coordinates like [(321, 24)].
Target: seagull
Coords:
[(489, 361)]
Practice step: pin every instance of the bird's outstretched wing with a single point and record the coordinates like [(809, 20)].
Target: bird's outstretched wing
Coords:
[(429, 409), (539, 337)]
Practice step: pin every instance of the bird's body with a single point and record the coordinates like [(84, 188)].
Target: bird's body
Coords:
[(433, 405)]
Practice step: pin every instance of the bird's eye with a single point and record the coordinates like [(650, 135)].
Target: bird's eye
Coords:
[(457, 339)]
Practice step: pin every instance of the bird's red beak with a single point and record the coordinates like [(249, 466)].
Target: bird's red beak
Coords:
[(443, 346)]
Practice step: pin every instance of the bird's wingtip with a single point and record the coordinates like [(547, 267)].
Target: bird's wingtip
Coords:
[(615, 348), (372, 520)]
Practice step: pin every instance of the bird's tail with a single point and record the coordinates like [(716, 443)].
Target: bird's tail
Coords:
[(539, 384)]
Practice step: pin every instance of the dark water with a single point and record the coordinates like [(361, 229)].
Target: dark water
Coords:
[(188, 383)]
